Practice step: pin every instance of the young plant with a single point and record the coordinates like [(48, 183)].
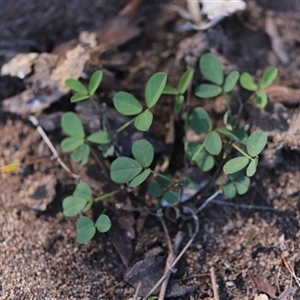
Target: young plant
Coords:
[(127, 105), (179, 92), (229, 148), (248, 83), (133, 170), (220, 141), (81, 201), (123, 169), (83, 93)]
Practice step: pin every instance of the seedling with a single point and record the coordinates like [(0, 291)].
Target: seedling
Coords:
[(227, 148)]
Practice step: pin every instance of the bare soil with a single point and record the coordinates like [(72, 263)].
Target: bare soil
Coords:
[(248, 241)]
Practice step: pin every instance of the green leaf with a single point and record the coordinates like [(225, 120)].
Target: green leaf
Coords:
[(100, 137), (103, 223), (185, 80), (143, 152), (213, 143), (211, 68), (76, 156), (242, 185), (95, 82), (79, 97), (85, 150), (76, 86), (154, 88), (143, 121), (140, 178), (81, 154), (235, 176), (164, 181), (168, 90), (241, 134), (256, 142), (71, 125), (268, 77), (124, 169), (230, 81), (204, 161), (171, 197), (85, 229), (247, 82), (88, 205), (126, 104), (107, 150), (261, 99), (235, 164), (178, 104), (251, 169), (83, 190), (73, 205), (206, 90), (199, 120), (155, 190), (229, 190), (228, 133), (71, 143)]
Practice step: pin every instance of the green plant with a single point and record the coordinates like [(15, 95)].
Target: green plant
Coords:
[(226, 148)]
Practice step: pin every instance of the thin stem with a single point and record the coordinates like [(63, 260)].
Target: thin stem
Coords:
[(125, 125), (161, 175), (99, 162), (239, 114), (95, 103), (241, 151), (226, 101), (197, 152), (106, 195)]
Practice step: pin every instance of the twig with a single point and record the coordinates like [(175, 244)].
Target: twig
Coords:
[(214, 283), (290, 268), (137, 291), (177, 258), (245, 206), (40, 130), (206, 202), (172, 252)]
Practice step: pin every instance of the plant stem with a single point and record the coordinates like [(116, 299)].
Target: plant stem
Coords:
[(125, 125), (106, 195), (226, 101), (241, 151), (95, 103), (197, 152), (99, 162), (161, 175)]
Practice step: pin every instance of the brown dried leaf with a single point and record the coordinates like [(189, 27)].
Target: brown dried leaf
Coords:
[(264, 286)]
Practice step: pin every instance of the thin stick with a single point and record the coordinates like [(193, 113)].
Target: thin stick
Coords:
[(245, 206), (177, 258), (290, 268), (169, 261), (137, 291), (206, 202), (214, 283), (173, 250), (42, 133)]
